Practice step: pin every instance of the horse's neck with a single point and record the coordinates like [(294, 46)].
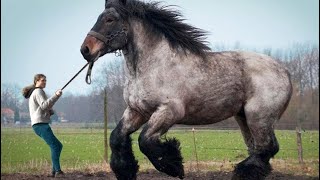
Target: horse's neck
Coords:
[(144, 50)]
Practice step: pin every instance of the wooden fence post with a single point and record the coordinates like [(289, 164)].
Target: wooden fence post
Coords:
[(299, 144), (195, 149), (301, 116), (105, 127)]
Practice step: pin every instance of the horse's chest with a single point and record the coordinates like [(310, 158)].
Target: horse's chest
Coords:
[(139, 98)]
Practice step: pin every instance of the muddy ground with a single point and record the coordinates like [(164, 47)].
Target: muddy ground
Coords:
[(150, 175)]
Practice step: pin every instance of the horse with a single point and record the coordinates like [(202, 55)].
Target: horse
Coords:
[(173, 77)]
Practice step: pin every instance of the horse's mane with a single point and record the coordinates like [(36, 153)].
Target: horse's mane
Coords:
[(162, 20)]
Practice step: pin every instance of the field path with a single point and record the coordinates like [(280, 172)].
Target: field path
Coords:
[(150, 175)]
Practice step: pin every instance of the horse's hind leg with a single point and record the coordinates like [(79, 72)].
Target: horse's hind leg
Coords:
[(260, 122), (164, 154), (246, 133), (123, 162)]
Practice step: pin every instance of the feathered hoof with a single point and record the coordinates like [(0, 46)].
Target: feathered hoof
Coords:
[(251, 169)]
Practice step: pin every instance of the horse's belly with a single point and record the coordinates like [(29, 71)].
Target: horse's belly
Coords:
[(212, 112)]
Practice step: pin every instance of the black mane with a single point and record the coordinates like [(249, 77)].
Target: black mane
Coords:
[(161, 20)]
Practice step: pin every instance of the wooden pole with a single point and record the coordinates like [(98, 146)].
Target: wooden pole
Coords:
[(105, 127), (299, 144), (300, 114), (195, 149)]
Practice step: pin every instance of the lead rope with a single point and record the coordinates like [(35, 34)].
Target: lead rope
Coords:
[(88, 76)]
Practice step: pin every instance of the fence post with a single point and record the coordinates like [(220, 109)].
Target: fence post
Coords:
[(299, 144), (300, 111), (105, 127), (195, 149)]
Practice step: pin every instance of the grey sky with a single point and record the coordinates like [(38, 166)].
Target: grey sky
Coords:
[(44, 36)]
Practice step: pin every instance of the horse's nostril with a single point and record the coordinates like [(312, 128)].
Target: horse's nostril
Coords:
[(85, 50)]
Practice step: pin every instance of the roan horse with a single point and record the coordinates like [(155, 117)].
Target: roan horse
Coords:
[(174, 78)]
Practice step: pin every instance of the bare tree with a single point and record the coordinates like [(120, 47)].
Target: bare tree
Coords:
[(112, 78), (11, 96)]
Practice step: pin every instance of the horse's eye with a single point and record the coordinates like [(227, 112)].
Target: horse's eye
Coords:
[(109, 20)]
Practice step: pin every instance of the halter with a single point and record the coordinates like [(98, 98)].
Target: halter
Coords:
[(106, 40)]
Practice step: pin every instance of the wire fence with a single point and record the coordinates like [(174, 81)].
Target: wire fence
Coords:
[(310, 144), (203, 147)]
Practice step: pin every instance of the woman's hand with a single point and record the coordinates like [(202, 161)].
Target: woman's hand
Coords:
[(59, 92)]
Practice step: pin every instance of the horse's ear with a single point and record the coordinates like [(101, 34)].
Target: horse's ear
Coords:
[(106, 3), (122, 2)]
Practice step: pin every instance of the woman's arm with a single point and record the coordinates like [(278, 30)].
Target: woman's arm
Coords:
[(44, 103)]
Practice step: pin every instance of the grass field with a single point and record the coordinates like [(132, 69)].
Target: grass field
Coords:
[(23, 151)]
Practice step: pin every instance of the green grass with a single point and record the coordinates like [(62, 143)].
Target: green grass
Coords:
[(23, 151)]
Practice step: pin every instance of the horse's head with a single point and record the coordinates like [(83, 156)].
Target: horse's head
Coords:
[(108, 34)]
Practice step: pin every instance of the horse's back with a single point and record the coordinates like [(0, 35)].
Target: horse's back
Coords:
[(259, 72), (236, 78)]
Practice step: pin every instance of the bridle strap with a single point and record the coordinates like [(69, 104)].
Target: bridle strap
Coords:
[(88, 76), (106, 40), (99, 36)]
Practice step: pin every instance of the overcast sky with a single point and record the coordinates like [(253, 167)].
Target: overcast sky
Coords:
[(44, 36)]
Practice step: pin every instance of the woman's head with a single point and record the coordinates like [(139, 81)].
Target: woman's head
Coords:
[(40, 80)]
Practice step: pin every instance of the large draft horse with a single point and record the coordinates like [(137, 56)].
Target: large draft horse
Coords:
[(174, 78)]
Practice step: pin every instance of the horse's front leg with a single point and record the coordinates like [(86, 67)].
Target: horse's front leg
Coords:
[(123, 162), (164, 154)]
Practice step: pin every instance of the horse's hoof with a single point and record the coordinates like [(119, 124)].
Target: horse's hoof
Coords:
[(181, 177), (235, 177), (251, 171)]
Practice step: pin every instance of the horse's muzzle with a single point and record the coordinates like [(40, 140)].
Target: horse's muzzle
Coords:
[(86, 53), (91, 47)]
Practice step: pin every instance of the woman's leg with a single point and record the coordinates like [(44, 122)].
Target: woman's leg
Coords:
[(45, 132)]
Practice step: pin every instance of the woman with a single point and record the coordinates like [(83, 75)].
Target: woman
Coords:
[(40, 108)]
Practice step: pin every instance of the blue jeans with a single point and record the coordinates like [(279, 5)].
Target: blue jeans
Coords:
[(44, 131)]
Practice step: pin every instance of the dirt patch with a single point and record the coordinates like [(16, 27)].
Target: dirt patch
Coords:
[(150, 174)]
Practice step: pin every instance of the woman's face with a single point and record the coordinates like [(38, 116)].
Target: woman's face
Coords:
[(41, 83)]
